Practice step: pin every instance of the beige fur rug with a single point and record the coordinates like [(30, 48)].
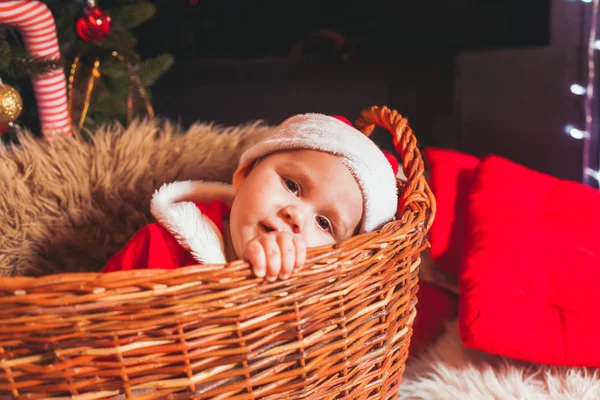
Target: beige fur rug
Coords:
[(70, 206), (449, 371)]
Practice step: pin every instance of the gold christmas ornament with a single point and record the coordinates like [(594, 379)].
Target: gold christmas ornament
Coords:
[(11, 104), (79, 76)]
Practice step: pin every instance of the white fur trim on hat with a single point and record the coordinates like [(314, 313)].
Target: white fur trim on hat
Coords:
[(360, 154), (173, 207)]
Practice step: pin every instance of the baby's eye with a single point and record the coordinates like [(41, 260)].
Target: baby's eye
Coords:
[(292, 186), (324, 223)]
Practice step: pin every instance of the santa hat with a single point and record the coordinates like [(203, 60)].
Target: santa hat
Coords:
[(390, 157), (335, 135)]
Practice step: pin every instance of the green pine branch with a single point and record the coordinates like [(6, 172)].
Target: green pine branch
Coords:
[(28, 66), (109, 99), (150, 70), (120, 40), (132, 15), (5, 54)]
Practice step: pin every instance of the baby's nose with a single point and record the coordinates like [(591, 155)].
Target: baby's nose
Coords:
[(294, 218)]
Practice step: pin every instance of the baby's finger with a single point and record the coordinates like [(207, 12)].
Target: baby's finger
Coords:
[(300, 246), (273, 256), (288, 255), (255, 255)]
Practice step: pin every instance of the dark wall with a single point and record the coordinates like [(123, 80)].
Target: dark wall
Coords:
[(272, 28), (514, 103), (419, 86)]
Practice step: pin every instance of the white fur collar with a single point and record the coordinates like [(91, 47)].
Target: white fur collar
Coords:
[(173, 207)]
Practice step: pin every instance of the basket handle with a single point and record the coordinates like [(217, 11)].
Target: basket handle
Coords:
[(416, 194)]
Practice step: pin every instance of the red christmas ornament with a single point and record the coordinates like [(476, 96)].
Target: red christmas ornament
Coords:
[(94, 25)]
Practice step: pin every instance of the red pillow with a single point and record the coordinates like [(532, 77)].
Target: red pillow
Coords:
[(531, 273), (451, 174), (434, 308)]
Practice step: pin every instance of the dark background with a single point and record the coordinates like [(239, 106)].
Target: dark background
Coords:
[(478, 76), (376, 28)]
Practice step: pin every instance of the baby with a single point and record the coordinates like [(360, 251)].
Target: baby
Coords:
[(316, 180)]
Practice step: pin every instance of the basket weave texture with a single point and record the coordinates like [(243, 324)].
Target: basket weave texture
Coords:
[(339, 328)]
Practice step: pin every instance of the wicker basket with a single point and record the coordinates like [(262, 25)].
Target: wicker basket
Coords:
[(339, 328)]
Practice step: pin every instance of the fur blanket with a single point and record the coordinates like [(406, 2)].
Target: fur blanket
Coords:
[(68, 207), (449, 371)]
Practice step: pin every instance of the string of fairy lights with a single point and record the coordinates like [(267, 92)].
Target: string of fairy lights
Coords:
[(589, 172)]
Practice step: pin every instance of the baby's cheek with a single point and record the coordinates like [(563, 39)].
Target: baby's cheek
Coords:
[(315, 238), (263, 198)]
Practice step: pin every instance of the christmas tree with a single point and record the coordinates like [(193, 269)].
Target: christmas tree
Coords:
[(121, 74)]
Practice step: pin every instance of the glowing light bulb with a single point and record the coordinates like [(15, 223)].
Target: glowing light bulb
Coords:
[(586, 1), (597, 44), (575, 133), (577, 89), (593, 174)]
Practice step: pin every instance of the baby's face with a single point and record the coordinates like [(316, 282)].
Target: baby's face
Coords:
[(305, 192)]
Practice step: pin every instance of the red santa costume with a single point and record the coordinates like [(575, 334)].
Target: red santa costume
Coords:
[(189, 229)]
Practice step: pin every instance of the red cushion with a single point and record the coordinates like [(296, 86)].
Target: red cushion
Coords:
[(530, 280), (434, 308), (451, 173)]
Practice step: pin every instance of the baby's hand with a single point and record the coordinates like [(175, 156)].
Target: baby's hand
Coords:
[(275, 254)]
